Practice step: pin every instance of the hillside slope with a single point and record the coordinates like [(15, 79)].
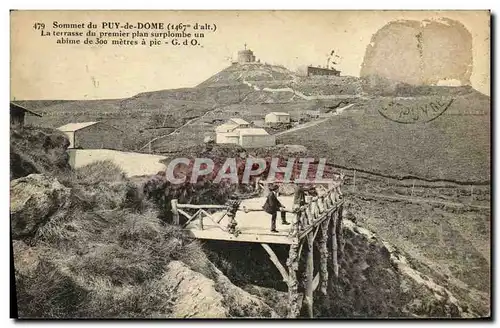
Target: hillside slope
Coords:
[(454, 147), (238, 73), (90, 243)]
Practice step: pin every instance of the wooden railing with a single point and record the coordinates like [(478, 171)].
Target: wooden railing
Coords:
[(306, 216)]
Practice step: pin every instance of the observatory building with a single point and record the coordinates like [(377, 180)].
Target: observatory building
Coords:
[(246, 56)]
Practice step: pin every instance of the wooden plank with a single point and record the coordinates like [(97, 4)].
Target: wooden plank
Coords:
[(316, 232), (316, 281), (216, 207), (222, 216), (193, 217), (276, 262), (185, 214), (217, 234), (217, 222)]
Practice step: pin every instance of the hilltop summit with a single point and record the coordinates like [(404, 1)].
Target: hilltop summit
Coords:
[(238, 73)]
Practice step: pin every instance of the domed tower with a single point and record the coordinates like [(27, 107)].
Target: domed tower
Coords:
[(246, 56)]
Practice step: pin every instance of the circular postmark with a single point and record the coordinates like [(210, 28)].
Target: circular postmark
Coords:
[(414, 110)]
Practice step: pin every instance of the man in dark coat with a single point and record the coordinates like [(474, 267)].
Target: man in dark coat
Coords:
[(272, 206)]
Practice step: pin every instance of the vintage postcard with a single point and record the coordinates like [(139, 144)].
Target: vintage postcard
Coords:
[(250, 164)]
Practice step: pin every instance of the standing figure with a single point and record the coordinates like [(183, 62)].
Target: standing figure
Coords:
[(273, 205)]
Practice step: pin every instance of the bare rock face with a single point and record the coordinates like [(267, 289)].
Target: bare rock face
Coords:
[(376, 276), (196, 296), (34, 199), (419, 53), (239, 302)]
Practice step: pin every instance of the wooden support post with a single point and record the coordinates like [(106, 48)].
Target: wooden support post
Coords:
[(175, 213), (333, 232), (293, 284), (201, 221), (308, 216), (276, 262), (340, 240), (317, 209), (323, 251), (314, 210), (308, 297)]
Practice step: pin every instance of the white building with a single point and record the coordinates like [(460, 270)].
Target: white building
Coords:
[(255, 137), (225, 133), (237, 131), (277, 117), (93, 135)]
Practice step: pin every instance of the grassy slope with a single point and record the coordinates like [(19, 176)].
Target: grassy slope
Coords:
[(452, 147), (103, 256), (144, 116), (454, 243)]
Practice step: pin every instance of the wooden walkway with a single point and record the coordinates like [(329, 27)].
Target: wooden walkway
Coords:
[(318, 224), (254, 226)]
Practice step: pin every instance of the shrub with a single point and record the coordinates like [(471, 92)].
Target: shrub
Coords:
[(100, 171)]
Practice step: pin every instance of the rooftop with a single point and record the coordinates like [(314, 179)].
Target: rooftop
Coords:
[(252, 131), (226, 127), (239, 121), (70, 127), (280, 113), (19, 107)]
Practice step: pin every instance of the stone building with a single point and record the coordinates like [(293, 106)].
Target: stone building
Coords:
[(311, 71), (17, 114), (246, 56), (93, 135), (317, 71)]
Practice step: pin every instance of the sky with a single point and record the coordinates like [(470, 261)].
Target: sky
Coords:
[(42, 69)]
